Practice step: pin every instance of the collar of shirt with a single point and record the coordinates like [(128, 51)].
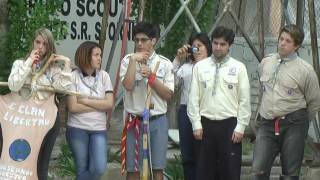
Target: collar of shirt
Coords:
[(151, 58), (222, 62), (84, 74), (290, 57)]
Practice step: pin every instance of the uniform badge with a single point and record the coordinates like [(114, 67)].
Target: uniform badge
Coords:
[(232, 71), (19, 150), (230, 86)]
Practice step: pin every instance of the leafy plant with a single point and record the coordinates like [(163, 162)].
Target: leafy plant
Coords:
[(162, 12), (66, 165), (174, 169), (114, 156)]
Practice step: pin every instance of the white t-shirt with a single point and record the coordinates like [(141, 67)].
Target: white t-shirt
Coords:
[(96, 85)]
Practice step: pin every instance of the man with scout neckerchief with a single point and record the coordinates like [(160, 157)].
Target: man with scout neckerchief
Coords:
[(219, 109), (290, 94), (136, 74)]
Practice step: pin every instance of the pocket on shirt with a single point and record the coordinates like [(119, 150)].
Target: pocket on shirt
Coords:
[(265, 81), (289, 88), (205, 79), (231, 82)]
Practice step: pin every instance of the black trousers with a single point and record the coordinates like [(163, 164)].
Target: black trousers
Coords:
[(219, 157)]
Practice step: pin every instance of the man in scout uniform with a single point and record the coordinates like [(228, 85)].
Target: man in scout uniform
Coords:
[(290, 98), (219, 109), (136, 73)]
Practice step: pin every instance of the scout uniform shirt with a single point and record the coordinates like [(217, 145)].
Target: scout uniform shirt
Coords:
[(134, 101), (53, 77), (219, 91), (288, 84)]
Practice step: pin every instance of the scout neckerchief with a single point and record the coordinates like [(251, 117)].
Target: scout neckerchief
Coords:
[(290, 57), (216, 75)]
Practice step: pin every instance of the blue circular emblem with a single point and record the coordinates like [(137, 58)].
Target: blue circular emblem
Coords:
[(19, 150), (290, 91)]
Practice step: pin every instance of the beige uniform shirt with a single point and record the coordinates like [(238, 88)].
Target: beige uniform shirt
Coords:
[(54, 77), (293, 87), (218, 96), (134, 101)]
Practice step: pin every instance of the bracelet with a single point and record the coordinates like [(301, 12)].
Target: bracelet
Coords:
[(152, 79)]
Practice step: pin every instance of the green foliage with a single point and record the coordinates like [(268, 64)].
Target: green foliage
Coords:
[(23, 19), (66, 163), (162, 12), (174, 169), (114, 156)]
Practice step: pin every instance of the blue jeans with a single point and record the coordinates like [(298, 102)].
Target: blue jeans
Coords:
[(189, 146), (89, 149), (290, 145), (158, 144)]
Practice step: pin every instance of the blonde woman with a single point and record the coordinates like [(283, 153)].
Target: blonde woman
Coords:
[(42, 48)]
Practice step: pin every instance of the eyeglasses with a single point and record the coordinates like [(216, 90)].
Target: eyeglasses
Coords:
[(142, 40)]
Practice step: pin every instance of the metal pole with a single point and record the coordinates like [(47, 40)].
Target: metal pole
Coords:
[(190, 16), (224, 11), (300, 13), (172, 22), (313, 33), (115, 40), (245, 35), (261, 28)]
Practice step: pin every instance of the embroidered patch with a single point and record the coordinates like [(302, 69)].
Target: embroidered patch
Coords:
[(19, 150), (230, 86), (232, 71)]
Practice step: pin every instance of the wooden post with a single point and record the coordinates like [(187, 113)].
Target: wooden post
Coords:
[(141, 10), (313, 32), (104, 25), (145, 136)]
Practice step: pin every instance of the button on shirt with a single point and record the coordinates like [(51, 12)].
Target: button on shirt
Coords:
[(183, 79), (134, 101), (219, 96), (287, 86), (96, 85)]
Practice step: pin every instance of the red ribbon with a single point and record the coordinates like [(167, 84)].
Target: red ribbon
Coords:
[(277, 126), (131, 121), (152, 79)]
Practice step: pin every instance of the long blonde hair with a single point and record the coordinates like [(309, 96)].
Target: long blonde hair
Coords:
[(49, 40)]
